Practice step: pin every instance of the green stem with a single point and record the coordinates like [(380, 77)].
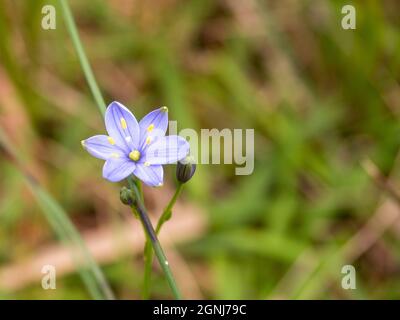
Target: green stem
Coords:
[(138, 184), (168, 209), (148, 263), (147, 249), (152, 236), (87, 70), (148, 253)]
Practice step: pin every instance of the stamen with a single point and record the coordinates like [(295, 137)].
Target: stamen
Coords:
[(146, 164), (164, 109), (134, 155), (123, 123), (83, 143), (148, 140), (150, 128), (111, 140)]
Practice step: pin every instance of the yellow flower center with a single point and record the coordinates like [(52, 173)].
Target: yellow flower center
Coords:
[(134, 155)]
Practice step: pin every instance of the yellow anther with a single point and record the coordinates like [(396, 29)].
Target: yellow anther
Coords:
[(83, 143), (147, 164), (164, 109), (148, 140), (134, 155), (150, 128), (123, 123), (114, 155), (111, 140)]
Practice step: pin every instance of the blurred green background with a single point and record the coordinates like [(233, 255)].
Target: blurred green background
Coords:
[(321, 99)]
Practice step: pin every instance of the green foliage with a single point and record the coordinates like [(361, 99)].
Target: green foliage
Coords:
[(321, 100)]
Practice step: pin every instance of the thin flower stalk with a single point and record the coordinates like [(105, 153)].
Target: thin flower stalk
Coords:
[(71, 26), (152, 237)]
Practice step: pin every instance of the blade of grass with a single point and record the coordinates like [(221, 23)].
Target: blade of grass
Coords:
[(89, 271), (56, 217), (87, 70)]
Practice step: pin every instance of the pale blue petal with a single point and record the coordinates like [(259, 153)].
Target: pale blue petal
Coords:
[(153, 125), (150, 175), (117, 169), (165, 150), (100, 147), (122, 125)]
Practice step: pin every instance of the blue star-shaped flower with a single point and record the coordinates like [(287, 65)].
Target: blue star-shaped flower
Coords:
[(136, 148)]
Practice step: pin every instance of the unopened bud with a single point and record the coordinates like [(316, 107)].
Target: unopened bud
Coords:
[(185, 169), (127, 196)]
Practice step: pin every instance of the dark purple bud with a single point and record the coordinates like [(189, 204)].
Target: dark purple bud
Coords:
[(185, 169)]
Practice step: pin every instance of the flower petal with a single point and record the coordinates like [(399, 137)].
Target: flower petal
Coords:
[(102, 147), (165, 150), (122, 125), (153, 125), (117, 169), (150, 175)]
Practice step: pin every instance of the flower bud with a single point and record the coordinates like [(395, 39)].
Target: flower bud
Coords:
[(185, 169), (127, 196)]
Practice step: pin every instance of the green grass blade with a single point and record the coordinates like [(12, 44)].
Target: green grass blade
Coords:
[(90, 272), (87, 70)]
